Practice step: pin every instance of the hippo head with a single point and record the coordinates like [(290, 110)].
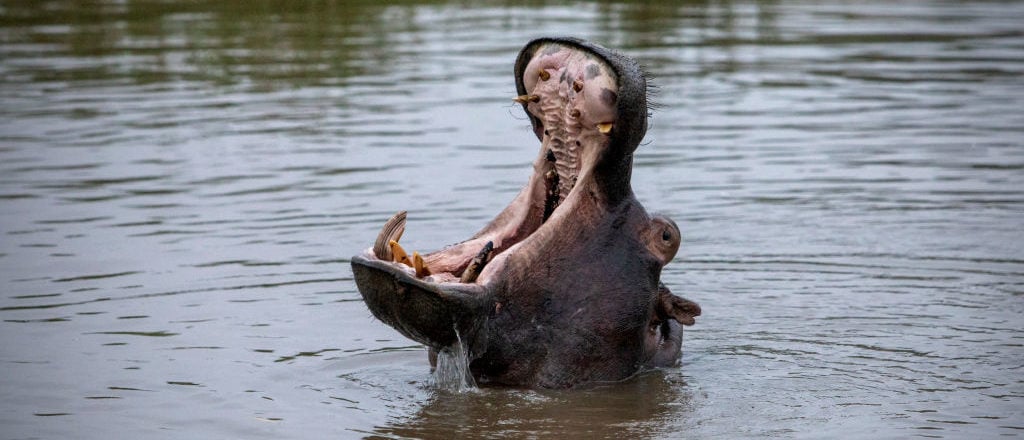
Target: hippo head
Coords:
[(562, 288)]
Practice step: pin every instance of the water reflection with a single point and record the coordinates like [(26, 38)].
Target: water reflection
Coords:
[(182, 184), (650, 405), (269, 44)]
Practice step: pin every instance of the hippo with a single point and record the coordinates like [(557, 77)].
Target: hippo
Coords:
[(562, 288)]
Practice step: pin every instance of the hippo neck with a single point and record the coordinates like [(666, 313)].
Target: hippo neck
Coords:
[(612, 174)]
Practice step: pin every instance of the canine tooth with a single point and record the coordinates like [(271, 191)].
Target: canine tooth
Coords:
[(392, 230), (419, 265), (399, 254), (476, 265), (544, 75), (604, 127), (523, 99), (577, 86)]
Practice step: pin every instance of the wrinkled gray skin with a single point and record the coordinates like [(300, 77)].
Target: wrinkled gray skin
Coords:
[(569, 297)]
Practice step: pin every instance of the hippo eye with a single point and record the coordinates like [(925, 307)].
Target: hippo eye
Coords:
[(666, 235)]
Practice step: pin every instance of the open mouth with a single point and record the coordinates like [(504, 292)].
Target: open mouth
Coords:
[(563, 286), (570, 95)]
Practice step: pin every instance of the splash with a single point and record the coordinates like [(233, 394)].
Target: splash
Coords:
[(452, 371)]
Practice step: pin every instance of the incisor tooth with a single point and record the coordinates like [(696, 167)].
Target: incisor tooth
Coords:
[(419, 265), (604, 127), (392, 231), (399, 254)]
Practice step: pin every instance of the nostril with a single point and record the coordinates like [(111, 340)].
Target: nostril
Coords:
[(666, 235), (544, 75)]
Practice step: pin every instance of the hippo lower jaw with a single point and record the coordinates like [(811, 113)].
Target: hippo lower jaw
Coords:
[(561, 288)]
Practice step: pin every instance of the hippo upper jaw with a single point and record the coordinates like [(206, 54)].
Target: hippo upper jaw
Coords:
[(582, 71)]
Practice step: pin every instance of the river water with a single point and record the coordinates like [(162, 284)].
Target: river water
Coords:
[(182, 184)]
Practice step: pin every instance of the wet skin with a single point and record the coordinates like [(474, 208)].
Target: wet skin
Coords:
[(563, 287)]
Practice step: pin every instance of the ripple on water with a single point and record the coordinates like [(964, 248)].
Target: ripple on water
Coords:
[(183, 184)]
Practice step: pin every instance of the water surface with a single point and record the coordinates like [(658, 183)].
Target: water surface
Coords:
[(182, 186)]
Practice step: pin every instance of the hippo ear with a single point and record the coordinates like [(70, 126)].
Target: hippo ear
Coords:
[(674, 307), (428, 313)]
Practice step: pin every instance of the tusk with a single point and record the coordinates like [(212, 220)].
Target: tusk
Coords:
[(523, 99), (476, 265), (392, 231), (544, 75), (604, 127)]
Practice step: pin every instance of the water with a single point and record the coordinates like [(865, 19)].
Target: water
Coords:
[(182, 184), (452, 371)]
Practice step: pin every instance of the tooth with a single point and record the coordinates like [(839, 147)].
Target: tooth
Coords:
[(523, 99), (604, 127), (392, 230), (544, 75), (476, 265), (577, 86), (575, 113), (399, 254), (419, 265)]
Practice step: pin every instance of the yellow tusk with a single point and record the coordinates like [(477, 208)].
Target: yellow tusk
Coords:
[(399, 254), (419, 265), (605, 127), (544, 75)]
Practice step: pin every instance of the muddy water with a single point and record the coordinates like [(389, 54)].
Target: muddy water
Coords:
[(181, 186)]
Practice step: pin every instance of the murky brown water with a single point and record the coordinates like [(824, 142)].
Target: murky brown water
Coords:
[(181, 186)]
